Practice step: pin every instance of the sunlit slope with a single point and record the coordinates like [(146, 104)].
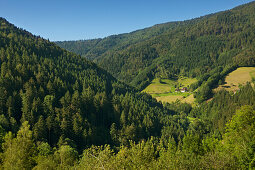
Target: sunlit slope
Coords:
[(164, 90), (236, 78)]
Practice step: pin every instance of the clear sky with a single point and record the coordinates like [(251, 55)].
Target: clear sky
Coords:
[(87, 19)]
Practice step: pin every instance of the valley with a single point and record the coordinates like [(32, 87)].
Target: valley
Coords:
[(190, 48), (166, 90), (171, 96)]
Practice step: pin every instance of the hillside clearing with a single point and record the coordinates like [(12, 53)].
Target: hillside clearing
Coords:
[(238, 77), (164, 90), (169, 99), (190, 99)]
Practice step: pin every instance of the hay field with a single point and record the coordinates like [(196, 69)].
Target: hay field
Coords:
[(186, 81), (158, 87), (190, 99), (238, 77), (169, 99), (164, 90)]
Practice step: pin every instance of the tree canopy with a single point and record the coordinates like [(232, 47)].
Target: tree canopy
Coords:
[(60, 111)]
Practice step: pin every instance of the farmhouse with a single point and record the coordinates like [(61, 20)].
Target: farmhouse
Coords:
[(184, 89)]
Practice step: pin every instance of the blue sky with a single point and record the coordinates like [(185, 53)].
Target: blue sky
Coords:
[(87, 19)]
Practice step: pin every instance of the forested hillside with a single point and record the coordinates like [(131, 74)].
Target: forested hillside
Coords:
[(189, 48), (61, 99), (60, 111), (62, 95)]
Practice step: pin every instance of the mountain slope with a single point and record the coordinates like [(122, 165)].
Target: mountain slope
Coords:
[(190, 48), (96, 47), (67, 99), (62, 103)]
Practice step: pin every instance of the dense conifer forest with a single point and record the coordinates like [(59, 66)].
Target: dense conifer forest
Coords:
[(58, 110), (190, 48)]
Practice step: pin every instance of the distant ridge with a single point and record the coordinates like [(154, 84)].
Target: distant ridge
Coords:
[(190, 48)]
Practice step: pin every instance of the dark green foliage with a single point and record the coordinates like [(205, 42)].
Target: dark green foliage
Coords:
[(224, 104), (65, 97), (69, 103), (55, 105), (189, 48), (207, 83)]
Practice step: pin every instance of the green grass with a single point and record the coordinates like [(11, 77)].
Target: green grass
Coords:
[(171, 94), (159, 87), (164, 90), (186, 81), (169, 99), (189, 99)]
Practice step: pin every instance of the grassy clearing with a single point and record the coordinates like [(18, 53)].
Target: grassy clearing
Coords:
[(157, 88), (190, 99), (164, 90), (186, 81), (171, 94), (169, 99), (160, 86), (184, 98), (238, 77)]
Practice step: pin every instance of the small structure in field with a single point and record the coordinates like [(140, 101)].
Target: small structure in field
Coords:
[(184, 89)]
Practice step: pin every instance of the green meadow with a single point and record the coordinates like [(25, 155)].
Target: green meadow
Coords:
[(164, 89)]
